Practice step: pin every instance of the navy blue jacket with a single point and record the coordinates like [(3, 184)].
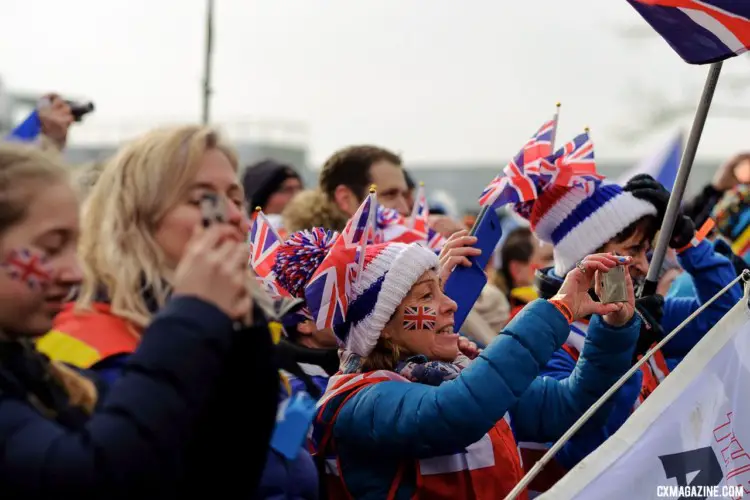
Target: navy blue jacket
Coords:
[(149, 437)]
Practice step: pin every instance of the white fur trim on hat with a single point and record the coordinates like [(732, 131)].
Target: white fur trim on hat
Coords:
[(598, 228), (402, 266)]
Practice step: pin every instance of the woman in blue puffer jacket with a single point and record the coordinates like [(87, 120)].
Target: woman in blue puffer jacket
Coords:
[(418, 413)]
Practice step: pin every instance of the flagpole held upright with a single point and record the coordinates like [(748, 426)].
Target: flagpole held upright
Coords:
[(686, 164), (554, 129), (208, 55)]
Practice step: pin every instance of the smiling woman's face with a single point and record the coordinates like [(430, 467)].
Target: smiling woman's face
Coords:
[(215, 175), (423, 323)]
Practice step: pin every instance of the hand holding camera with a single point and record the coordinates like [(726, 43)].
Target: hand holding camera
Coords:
[(589, 273), (214, 269), (57, 115)]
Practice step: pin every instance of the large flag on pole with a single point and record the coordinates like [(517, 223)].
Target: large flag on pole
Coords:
[(688, 439), (662, 165), (700, 31)]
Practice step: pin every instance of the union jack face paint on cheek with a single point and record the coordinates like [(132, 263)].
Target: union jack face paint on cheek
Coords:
[(27, 266), (419, 318)]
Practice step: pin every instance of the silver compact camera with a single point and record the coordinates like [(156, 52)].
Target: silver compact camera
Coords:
[(613, 286)]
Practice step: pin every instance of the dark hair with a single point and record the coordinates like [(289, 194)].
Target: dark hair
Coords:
[(519, 247), (409, 180), (351, 167), (649, 224)]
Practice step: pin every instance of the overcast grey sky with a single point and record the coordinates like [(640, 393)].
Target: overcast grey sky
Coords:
[(433, 79)]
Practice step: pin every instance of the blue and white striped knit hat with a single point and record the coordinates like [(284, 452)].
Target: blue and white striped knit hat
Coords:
[(577, 221)]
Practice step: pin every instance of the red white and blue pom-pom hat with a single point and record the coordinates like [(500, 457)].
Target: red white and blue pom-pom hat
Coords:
[(358, 286), (578, 221)]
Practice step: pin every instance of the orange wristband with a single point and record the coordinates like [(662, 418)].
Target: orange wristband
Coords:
[(563, 308), (700, 235)]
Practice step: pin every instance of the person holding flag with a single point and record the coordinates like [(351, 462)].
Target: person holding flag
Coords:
[(48, 124), (571, 206), (390, 426)]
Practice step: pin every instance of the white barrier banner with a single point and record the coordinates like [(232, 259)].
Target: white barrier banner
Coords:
[(691, 437)]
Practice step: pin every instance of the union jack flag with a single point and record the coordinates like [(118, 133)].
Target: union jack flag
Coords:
[(419, 222), (572, 165), (515, 185), (700, 31), (29, 267), (390, 226), (419, 318), (264, 242), (540, 144), (327, 294), (271, 286), (512, 186)]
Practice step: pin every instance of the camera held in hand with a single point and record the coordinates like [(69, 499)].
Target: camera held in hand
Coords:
[(613, 286), (80, 109)]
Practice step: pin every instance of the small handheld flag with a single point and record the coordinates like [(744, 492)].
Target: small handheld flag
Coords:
[(513, 185)]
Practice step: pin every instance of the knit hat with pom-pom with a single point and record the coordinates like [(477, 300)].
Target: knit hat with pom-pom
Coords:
[(297, 258)]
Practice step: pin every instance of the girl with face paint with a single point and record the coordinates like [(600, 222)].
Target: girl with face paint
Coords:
[(63, 433), (416, 412)]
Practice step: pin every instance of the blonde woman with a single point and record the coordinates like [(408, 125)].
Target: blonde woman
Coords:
[(137, 221), (62, 434)]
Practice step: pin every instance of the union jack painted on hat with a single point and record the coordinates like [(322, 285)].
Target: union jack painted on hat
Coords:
[(359, 285), (700, 31), (575, 209), (515, 184)]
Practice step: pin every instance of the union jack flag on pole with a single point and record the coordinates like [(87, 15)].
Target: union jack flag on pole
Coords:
[(419, 221), (514, 185), (700, 31), (572, 165), (264, 244), (264, 241), (327, 293)]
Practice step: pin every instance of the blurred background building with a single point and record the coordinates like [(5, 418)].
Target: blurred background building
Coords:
[(287, 141)]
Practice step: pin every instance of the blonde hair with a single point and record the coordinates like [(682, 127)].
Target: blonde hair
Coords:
[(135, 190), (86, 177), (21, 166), (311, 208)]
